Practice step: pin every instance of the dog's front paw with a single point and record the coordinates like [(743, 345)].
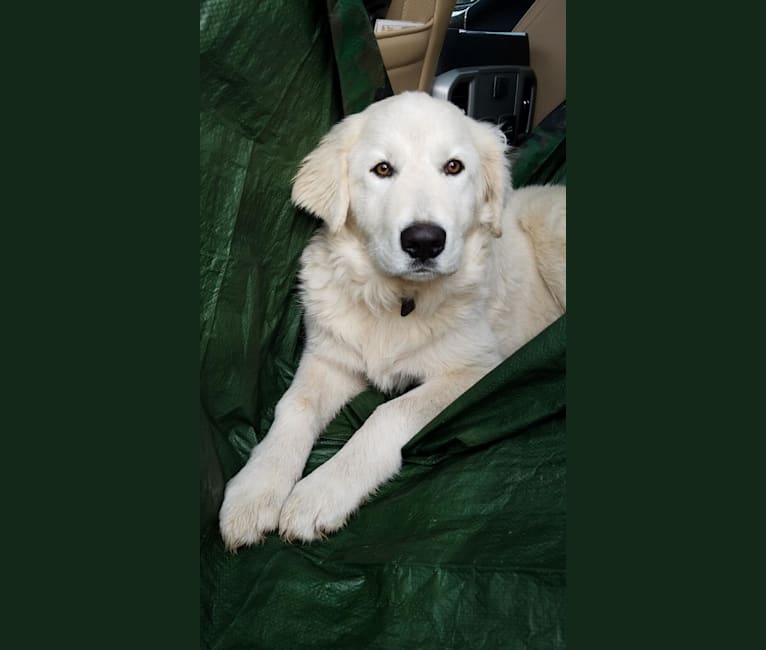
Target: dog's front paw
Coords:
[(251, 507), (318, 505)]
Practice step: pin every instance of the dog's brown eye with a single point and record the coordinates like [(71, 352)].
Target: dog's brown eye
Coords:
[(382, 169), (453, 167)]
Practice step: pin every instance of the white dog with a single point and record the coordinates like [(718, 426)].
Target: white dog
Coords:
[(409, 281)]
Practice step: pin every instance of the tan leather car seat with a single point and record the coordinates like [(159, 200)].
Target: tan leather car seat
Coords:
[(410, 55), (545, 23)]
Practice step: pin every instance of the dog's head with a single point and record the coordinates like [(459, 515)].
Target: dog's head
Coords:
[(415, 174)]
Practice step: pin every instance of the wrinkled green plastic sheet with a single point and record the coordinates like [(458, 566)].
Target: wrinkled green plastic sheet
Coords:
[(465, 548)]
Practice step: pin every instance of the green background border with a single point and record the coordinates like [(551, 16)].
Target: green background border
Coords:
[(100, 244), (658, 483)]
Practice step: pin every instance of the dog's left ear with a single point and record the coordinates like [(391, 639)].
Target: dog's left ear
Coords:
[(496, 174), (321, 184)]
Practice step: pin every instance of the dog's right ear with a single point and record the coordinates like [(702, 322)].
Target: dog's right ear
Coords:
[(321, 184)]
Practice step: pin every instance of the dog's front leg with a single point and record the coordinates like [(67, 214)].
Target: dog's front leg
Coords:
[(322, 502), (254, 497)]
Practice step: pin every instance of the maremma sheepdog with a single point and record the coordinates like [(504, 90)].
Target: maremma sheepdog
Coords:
[(428, 271)]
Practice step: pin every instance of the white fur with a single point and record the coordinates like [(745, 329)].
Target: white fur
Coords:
[(482, 298)]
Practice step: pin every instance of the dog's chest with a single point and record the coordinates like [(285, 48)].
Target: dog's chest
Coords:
[(391, 350), (354, 318)]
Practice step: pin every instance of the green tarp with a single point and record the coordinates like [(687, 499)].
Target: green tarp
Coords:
[(466, 547)]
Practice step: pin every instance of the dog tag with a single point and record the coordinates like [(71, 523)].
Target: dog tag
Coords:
[(408, 304)]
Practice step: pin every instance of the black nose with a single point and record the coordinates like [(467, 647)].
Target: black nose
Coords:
[(423, 241)]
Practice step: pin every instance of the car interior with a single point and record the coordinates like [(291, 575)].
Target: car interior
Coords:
[(498, 60)]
